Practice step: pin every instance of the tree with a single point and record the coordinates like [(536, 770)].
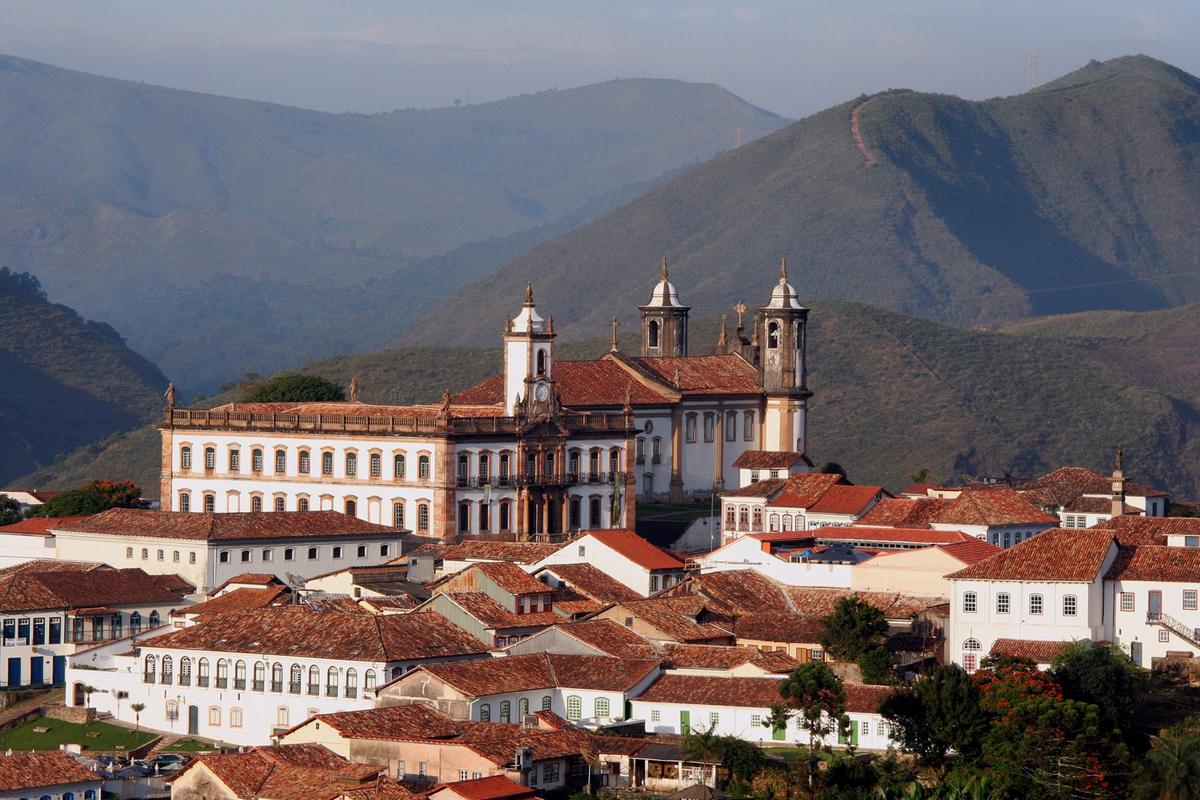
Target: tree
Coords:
[(1104, 676), (137, 709), (877, 665), (853, 628), (93, 498), (742, 759), (10, 510), (813, 692), (920, 476), (941, 711), (1171, 769), (292, 387), (87, 695), (1058, 750), (1005, 681)]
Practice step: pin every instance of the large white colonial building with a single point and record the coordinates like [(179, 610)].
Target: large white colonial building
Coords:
[(544, 448)]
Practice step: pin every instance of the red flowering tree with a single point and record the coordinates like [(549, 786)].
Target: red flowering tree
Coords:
[(1005, 681)]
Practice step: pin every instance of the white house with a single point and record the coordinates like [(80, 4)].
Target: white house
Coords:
[(209, 549), (1081, 498), (243, 676), (757, 465), (741, 707), (623, 555), (29, 539), (586, 690), (49, 611)]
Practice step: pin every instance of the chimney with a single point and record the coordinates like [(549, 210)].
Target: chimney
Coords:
[(1118, 485)]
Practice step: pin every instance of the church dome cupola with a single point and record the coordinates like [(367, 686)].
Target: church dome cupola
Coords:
[(664, 320), (781, 334), (528, 321), (784, 294)]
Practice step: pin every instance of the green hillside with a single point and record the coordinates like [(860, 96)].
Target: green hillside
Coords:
[(1079, 195), (245, 218), (64, 381), (894, 394)]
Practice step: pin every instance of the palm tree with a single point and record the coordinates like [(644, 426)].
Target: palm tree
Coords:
[(1171, 770), (137, 709), (87, 695)]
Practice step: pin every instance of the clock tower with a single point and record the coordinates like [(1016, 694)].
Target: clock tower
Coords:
[(528, 359), (782, 335)]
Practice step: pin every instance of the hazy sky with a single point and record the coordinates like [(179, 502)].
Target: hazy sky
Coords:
[(790, 57)]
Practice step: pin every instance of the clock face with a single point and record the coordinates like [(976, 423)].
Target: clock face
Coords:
[(541, 392)]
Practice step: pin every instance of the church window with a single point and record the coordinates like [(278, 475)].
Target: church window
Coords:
[(326, 463), (773, 522), (399, 467), (351, 464), (280, 504), (280, 462), (594, 512), (209, 504), (351, 508), (376, 467), (594, 464), (652, 333), (397, 515), (614, 460), (423, 517), (210, 458), (756, 520), (256, 460), (656, 449), (773, 336), (463, 467), (185, 501), (302, 504), (690, 427), (710, 423), (504, 515), (574, 708), (485, 468), (185, 458), (504, 468), (485, 517), (541, 362), (549, 463), (423, 467), (256, 504), (731, 426), (464, 517), (574, 463), (235, 459), (305, 462), (731, 518), (575, 513), (748, 426), (641, 450), (744, 518)]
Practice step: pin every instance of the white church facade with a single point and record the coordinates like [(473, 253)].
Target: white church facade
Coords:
[(545, 448)]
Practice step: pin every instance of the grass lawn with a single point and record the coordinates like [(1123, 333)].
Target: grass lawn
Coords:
[(108, 737), (190, 746)]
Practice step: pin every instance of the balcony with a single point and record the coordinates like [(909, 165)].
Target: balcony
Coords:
[(222, 683), (167, 678), (185, 680), (295, 688), (641, 458), (351, 692), (148, 677), (314, 689), (331, 691), (277, 686), (202, 681), (259, 685), (239, 684)]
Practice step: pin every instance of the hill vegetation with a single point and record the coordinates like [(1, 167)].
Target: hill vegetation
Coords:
[(894, 395), (284, 223), (1078, 195), (64, 381)]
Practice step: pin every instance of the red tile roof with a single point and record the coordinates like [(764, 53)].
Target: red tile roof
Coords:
[(704, 375), (52, 565), (297, 772), (580, 384), (36, 770), (805, 489), (768, 459), (251, 579), (702, 690), (1147, 562), (491, 614), (903, 512), (348, 409), (33, 591), (993, 505), (790, 628), (238, 600), (1065, 484), (1150, 530), (635, 548), (742, 591), (681, 619), (227, 527), (542, 671), (895, 606), (39, 526), (721, 657), (610, 638), (763, 488), (1037, 652), (415, 721), (494, 787), (970, 552), (477, 550), (867, 534), (1097, 505), (591, 582), (845, 500), (1069, 556), (511, 578), (301, 632)]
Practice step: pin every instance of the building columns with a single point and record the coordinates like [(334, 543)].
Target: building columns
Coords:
[(676, 455), (719, 467)]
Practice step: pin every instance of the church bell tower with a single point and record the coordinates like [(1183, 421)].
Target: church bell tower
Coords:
[(528, 358), (664, 321), (782, 334)]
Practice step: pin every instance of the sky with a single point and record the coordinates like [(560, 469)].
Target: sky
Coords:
[(793, 58)]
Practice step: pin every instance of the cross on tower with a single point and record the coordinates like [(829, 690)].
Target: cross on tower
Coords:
[(614, 324), (740, 308)]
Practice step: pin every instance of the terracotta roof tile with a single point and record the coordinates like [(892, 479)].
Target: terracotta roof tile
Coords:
[(415, 721), (903, 512), (1158, 563), (768, 459), (790, 628), (542, 671), (1097, 505), (805, 489), (702, 690), (238, 600), (970, 552), (1066, 483), (742, 591), (993, 505), (591, 582), (611, 638), (844, 499), (1037, 652), (704, 375), (763, 488), (493, 615), (866, 534), (39, 526), (495, 787), (299, 631), (35, 770), (475, 550), (635, 548), (29, 591), (52, 565), (820, 602), (719, 657), (297, 772), (511, 578), (227, 527), (1150, 530), (682, 619), (1072, 556)]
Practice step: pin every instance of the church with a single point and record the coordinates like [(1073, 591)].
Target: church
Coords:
[(542, 449)]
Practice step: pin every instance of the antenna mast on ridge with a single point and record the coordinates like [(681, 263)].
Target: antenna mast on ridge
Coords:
[(1031, 70)]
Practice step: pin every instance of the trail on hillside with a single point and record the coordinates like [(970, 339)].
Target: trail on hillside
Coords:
[(856, 132)]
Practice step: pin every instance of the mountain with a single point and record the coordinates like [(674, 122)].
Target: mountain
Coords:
[(64, 381), (206, 228), (893, 394), (1079, 195)]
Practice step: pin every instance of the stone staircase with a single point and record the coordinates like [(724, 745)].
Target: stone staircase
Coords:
[(1188, 634)]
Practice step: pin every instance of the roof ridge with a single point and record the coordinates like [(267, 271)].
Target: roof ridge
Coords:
[(550, 668)]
